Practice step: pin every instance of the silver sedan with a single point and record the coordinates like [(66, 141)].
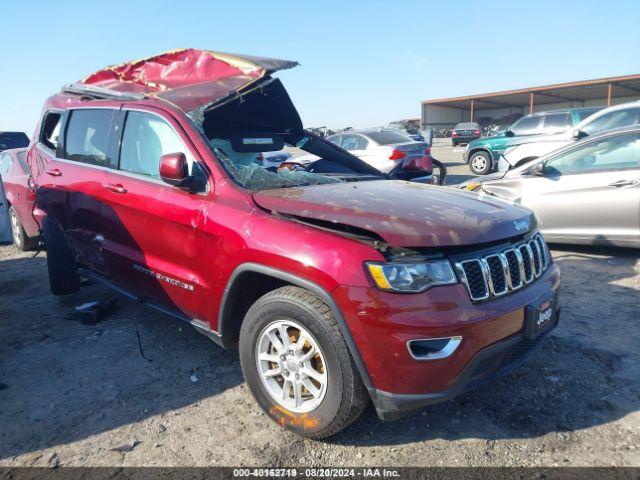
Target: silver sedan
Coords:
[(585, 193)]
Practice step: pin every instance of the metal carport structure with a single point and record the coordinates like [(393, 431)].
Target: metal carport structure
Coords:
[(446, 112)]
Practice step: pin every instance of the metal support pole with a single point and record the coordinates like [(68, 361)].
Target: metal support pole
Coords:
[(472, 107), (530, 102), (608, 94)]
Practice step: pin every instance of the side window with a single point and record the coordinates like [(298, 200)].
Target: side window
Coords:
[(556, 122), (50, 130), (5, 164), (350, 142), (526, 125), (362, 143), (615, 119), (335, 139), (87, 137), (615, 153), (145, 139)]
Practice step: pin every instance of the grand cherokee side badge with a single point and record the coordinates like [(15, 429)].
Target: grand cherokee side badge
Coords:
[(521, 225)]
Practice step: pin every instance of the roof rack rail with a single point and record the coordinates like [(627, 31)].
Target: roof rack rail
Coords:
[(100, 92)]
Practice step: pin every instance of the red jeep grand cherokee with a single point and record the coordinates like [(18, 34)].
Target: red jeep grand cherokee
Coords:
[(337, 284)]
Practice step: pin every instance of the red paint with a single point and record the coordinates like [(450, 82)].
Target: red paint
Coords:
[(20, 195), (180, 248)]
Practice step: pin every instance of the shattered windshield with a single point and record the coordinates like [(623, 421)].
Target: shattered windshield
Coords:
[(248, 170)]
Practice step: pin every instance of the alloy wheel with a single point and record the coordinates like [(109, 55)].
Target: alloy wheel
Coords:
[(291, 366), (16, 229), (479, 163)]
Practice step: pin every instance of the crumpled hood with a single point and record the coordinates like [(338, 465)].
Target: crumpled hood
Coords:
[(404, 214)]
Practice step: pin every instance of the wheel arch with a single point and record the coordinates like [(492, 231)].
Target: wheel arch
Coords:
[(480, 149), (231, 313)]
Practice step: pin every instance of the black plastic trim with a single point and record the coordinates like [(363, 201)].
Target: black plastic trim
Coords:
[(317, 290), (390, 406)]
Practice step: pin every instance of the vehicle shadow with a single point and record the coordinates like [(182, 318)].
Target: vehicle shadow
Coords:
[(586, 374), (63, 380)]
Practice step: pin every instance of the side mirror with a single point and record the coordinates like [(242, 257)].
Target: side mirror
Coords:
[(537, 169), (578, 134), (174, 169), (509, 133)]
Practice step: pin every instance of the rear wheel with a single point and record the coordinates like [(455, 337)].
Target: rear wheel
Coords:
[(480, 163), (297, 364), (63, 273), (20, 238)]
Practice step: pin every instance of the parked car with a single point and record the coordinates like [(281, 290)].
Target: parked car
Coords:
[(482, 155), (13, 140), (465, 132), (387, 150), (274, 159), (525, 149), (327, 280), (586, 192), (21, 197)]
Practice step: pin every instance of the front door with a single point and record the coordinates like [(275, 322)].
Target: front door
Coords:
[(590, 192), (153, 235)]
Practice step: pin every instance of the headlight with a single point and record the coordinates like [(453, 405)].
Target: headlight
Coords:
[(411, 277)]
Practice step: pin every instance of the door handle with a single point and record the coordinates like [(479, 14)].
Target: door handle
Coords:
[(624, 183), (54, 172), (115, 187)]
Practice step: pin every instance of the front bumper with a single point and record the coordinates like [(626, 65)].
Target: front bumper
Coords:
[(490, 364), (381, 324)]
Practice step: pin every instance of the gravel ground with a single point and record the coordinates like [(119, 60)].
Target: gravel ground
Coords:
[(72, 393)]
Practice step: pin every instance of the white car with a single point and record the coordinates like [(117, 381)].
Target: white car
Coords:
[(533, 147), (390, 151)]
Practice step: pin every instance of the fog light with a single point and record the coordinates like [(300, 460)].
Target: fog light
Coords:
[(433, 348)]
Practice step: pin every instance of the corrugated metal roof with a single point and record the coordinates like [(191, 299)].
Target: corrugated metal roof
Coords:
[(625, 85)]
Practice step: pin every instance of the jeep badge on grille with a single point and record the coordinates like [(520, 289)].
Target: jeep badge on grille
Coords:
[(521, 225)]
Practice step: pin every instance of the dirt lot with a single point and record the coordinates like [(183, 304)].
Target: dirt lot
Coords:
[(80, 394)]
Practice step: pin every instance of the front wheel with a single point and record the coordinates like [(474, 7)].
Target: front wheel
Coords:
[(480, 163), (297, 364)]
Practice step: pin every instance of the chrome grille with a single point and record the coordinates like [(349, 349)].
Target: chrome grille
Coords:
[(499, 273)]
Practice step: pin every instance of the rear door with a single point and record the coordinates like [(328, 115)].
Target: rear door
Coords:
[(70, 188), (590, 192), (153, 235)]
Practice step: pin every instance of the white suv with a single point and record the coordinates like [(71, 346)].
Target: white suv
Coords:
[(529, 148)]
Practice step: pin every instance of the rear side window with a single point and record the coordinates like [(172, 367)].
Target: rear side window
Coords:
[(556, 122), (13, 140), (50, 130), (87, 138)]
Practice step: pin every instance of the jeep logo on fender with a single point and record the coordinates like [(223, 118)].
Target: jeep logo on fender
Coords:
[(521, 225)]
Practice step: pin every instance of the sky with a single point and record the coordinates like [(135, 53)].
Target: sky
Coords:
[(362, 62)]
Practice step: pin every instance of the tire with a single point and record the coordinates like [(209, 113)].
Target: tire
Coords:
[(20, 238), (339, 398), (63, 271), (480, 163)]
